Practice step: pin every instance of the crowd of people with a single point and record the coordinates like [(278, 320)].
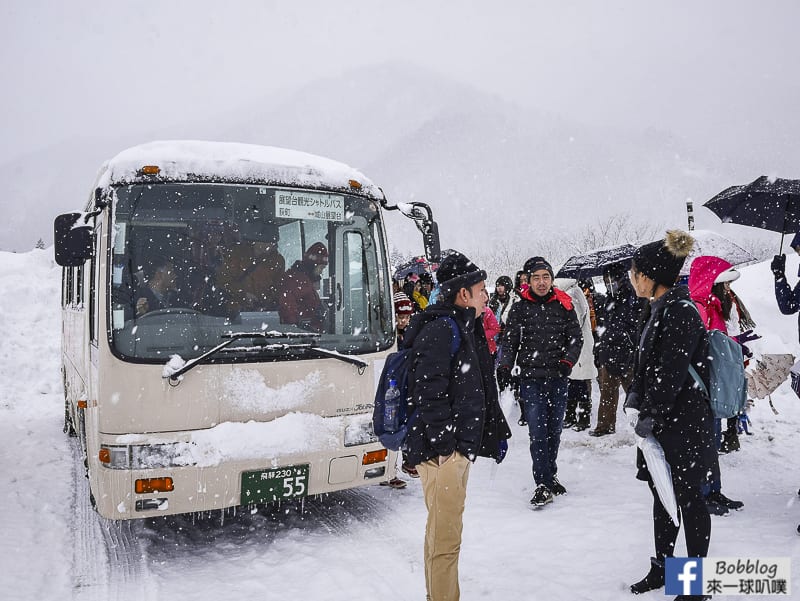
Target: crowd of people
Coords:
[(546, 341)]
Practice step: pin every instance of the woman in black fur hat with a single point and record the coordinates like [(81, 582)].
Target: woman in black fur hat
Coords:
[(664, 401)]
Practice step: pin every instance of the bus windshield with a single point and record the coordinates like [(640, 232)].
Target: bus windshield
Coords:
[(192, 263)]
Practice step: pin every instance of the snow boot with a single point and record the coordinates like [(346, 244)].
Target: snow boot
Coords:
[(653, 580), (715, 507), (719, 498), (730, 439)]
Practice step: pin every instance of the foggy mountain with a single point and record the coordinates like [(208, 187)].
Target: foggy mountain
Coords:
[(474, 157)]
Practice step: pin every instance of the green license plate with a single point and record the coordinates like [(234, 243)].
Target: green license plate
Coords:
[(274, 484)]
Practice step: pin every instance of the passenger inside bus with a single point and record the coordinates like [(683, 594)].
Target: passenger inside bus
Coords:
[(299, 303), (158, 290), (253, 276)]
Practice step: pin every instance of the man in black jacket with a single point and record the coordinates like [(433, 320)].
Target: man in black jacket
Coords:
[(544, 338), (618, 326), (458, 413)]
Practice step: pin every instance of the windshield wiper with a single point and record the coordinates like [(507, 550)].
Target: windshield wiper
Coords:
[(307, 346), (234, 336)]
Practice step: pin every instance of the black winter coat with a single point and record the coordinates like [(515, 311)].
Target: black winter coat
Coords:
[(788, 298), (619, 326), (456, 399), (662, 388), (540, 333)]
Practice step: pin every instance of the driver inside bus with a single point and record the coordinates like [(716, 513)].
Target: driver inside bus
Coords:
[(299, 302), (158, 289)]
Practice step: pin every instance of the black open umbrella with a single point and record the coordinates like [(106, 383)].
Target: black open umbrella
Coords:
[(767, 203), (591, 264)]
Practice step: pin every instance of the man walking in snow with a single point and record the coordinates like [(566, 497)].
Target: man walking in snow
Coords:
[(458, 413), (544, 338)]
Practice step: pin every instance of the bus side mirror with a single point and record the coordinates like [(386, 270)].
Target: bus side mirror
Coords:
[(430, 238), (73, 240)]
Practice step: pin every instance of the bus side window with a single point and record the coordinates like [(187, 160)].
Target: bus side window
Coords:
[(94, 278), (79, 286)]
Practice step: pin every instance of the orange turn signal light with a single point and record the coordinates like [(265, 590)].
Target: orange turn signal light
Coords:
[(104, 455), (148, 485), (150, 170), (356, 185), (82, 404), (374, 457)]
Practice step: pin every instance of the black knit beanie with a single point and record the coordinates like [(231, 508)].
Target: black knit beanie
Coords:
[(504, 280), (661, 261), (537, 263), (455, 272)]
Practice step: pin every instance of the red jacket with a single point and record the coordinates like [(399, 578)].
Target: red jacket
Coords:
[(298, 301), (492, 328)]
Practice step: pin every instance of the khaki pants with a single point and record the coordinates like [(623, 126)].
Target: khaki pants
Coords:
[(445, 490), (609, 398)]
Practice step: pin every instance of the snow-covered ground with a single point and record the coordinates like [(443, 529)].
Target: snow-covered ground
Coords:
[(365, 544)]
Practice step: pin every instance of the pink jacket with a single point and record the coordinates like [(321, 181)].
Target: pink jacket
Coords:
[(702, 274)]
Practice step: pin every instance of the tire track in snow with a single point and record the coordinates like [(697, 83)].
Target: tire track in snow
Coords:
[(108, 561)]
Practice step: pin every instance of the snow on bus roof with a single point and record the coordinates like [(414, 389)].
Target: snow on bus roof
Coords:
[(193, 160)]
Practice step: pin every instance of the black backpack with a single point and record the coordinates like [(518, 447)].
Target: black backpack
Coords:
[(397, 368)]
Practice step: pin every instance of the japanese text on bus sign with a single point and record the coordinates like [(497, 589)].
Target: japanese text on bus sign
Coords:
[(308, 205)]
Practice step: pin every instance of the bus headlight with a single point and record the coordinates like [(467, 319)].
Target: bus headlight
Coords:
[(145, 456), (359, 433)]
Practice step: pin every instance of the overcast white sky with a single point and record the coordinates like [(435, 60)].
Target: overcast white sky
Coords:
[(725, 71)]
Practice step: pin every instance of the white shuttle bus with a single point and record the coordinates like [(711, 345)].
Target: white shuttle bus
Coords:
[(226, 312)]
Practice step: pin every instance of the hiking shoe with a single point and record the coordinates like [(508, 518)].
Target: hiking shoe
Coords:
[(557, 488), (599, 432), (721, 499), (396, 483), (715, 508), (541, 496), (410, 470), (579, 427)]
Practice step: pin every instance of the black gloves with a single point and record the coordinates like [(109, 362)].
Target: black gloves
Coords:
[(564, 368), (503, 377), (745, 337), (644, 426), (778, 266)]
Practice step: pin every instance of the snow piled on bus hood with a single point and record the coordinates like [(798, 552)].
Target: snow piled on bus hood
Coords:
[(247, 389), (289, 434), (186, 160)]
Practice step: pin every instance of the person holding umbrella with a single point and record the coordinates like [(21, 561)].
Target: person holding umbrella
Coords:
[(788, 298), (665, 403)]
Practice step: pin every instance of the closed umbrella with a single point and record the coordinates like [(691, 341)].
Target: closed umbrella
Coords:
[(660, 473), (767, 203)]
